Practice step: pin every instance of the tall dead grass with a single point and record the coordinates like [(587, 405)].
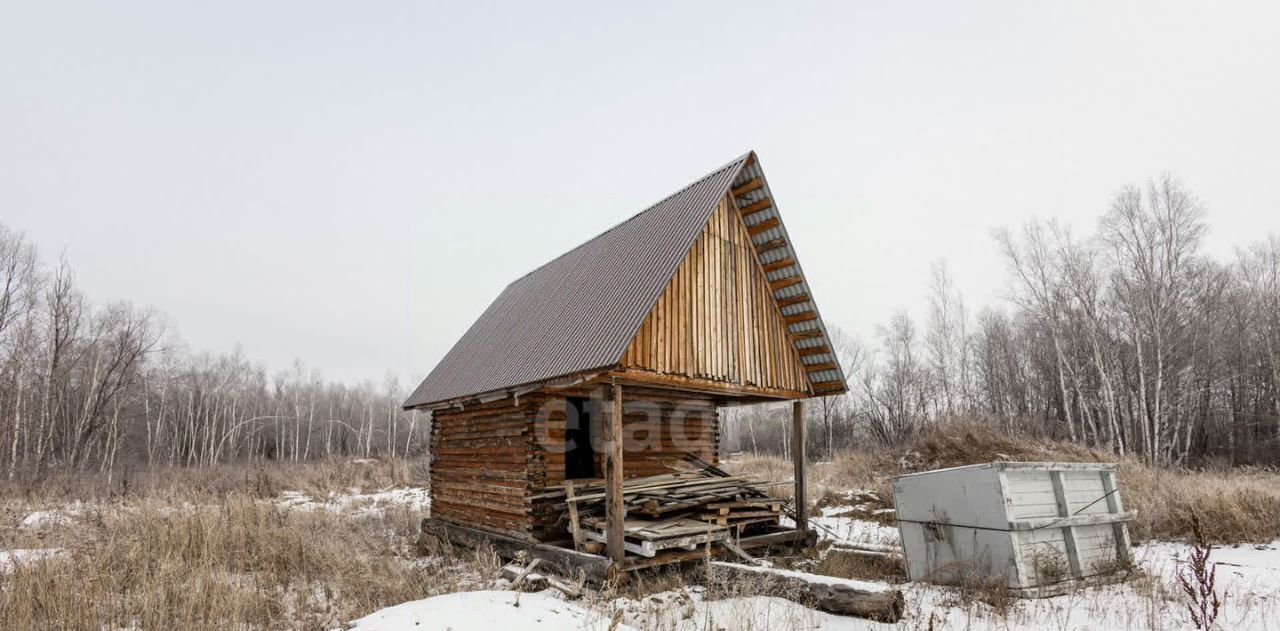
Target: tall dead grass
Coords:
[(263, 479), (242, 563), (216, 549), (1241, 506)]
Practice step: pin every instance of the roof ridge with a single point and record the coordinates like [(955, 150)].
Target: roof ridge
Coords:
[(712, 173)]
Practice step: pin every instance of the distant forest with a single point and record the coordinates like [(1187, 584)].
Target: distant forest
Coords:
[(87, 387), (1128, 340)]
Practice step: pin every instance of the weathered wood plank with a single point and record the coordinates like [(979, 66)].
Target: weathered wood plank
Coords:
[(758, 228), (750, 185), (756, 206), (613, 480)]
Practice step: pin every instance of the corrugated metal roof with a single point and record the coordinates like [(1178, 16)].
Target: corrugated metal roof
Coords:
[(581, 310)]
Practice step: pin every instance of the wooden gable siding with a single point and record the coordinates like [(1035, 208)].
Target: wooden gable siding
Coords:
[(717, 319), (658, 428)]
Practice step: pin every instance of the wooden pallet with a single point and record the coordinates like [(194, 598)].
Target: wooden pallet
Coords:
[(646, 537)]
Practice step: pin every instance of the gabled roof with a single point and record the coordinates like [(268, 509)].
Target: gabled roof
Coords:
[(580, 311)]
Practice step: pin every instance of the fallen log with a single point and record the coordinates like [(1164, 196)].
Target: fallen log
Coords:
[(877, 601), (437, 533)]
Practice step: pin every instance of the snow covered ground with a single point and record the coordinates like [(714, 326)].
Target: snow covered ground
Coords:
[(1249, 577), (836, 527), (488, 610), (359, 502)]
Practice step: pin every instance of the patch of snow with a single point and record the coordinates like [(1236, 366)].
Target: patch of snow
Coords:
[(354, 501), (485, 611), (850, 530), (817, 579), (45, 519), (1249, 577), (1251, 568), (10, 559), (772, 612), (688, 610)]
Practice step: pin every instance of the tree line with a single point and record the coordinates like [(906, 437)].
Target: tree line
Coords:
[(1129, 339), (86, 387)]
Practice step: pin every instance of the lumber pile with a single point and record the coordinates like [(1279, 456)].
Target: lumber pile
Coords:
[(680, 510)]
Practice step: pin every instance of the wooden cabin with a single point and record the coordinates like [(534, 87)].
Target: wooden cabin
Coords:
[(696, 303)]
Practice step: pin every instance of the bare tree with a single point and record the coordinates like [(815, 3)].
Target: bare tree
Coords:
[(1153, 240), (946, 342)]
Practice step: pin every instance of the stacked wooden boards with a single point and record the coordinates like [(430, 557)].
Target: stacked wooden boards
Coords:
[(669, 511), (659, 428)]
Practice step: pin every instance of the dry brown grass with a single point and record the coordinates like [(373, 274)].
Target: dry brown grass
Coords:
[(186, 484), (1242, 506), (828, 482), (889, 569), (212, 550), (959, 443)]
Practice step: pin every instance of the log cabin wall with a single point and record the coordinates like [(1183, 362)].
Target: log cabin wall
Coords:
[(659, 428), (480, 459), (718, 320)]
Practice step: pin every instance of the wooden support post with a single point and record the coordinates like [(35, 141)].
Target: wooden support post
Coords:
[(797, 453), (572, 503), (614, 515)]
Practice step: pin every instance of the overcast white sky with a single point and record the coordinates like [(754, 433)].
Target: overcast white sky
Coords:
[(351, 183)]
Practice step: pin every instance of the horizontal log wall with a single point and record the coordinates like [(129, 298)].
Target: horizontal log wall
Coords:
[(480, 459), (718, 319)]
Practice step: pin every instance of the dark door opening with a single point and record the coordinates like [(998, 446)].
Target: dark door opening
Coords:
[(579, 457)]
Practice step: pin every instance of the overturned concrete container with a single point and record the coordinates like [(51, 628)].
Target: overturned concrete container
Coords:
[(1035, 527)]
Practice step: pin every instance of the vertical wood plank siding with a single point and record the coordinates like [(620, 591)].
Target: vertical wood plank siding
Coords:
[(718, 319)]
